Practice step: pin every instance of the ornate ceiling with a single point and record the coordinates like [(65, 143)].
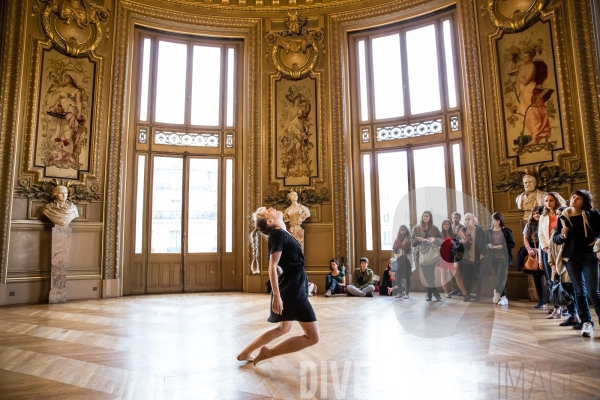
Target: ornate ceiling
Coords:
[(258, 5)]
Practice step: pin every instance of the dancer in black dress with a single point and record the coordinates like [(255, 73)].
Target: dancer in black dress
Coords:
[(289, 295)]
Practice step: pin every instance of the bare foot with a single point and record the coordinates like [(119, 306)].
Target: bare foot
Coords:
[(245, 357), (262, 355)]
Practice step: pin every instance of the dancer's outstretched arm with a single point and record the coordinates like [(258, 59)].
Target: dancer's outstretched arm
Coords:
[(277, 304)]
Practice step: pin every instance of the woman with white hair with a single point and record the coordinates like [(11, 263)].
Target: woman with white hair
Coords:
[(474, 240)]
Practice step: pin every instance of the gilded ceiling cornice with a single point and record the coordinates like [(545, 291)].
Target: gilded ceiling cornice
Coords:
[(259, 6)]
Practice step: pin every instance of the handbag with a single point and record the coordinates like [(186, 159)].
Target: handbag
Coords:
[(531, 262), (559, 295), (429, 256)]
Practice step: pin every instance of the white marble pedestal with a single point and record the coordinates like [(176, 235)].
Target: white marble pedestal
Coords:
[(298, 234), (61, 243)]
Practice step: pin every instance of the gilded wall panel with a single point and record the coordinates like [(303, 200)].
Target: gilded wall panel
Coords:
[(533, 113)]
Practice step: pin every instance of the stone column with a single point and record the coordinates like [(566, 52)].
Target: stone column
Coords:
[(61, 243)]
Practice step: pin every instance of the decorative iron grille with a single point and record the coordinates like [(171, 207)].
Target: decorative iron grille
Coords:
[(365, 135), (409, 131), (454, 123), (186, 139), (143, 135)]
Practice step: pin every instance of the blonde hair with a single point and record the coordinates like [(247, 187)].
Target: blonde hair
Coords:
[(260, 227), (474, 218)]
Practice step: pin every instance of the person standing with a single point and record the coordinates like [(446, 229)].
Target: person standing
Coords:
[(559, 269), (289, 294), (577, 228), (427, 240), (474, 240), (501, 245), (402, 249), (532, 244), (546, 226)]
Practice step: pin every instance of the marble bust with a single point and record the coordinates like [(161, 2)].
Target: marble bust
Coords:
[(296, 213), (531, 197), (60, 210)]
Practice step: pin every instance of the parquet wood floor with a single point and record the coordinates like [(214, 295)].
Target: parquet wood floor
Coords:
[(184, 346)]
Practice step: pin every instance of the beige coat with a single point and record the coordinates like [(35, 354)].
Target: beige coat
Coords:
[(556, 261)]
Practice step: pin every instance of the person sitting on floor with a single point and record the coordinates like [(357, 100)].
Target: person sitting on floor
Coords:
[(386, 286), (363, 280), (336, 279)]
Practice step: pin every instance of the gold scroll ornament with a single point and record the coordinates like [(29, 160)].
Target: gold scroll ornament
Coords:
[(295, 52), (75, 27)]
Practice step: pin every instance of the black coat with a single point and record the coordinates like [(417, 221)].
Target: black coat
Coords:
[(593, 219), (481, 242), (509, 243)]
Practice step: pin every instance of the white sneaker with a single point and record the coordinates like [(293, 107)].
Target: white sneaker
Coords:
[(503, 301), (587, 330), (496, 297)]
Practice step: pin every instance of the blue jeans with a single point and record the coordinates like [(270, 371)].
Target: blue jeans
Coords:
[(583, 271), (547, 267), (333, 285)]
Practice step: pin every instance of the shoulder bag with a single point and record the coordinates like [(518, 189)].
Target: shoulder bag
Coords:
[(532, 262)]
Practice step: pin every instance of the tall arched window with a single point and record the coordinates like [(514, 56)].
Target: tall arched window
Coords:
[(407, 121), (186, 124)]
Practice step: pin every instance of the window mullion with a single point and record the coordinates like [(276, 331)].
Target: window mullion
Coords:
[(370, 79), (188, 87), (153, 80), (404, 66), (441, 55)]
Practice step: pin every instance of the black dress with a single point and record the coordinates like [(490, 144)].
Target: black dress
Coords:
[(293, 282)]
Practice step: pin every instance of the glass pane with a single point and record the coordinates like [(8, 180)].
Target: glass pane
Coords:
[(368, 213), (139, 203), (203, 201), (145, 80), (387, 77), (430, 173), (170, 82), (166, 205), (423, 74), (230, 85), (228, 205), (362, 69), (458, 185), (392, 172), (449, 64), (206, 85)]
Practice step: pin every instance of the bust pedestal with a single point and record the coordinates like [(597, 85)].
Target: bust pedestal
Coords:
[(298, 234), (61, 243)]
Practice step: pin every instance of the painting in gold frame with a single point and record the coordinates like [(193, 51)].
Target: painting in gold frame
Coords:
[(65, 111), (295, 112), (530, 99)]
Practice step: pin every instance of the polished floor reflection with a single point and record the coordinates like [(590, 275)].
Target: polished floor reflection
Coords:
[(184, 347)]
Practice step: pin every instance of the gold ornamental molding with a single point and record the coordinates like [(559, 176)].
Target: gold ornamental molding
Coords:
[(129, 15), (75, 27), (295, 52), (519, 19), (10, 67), (566, 158)]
